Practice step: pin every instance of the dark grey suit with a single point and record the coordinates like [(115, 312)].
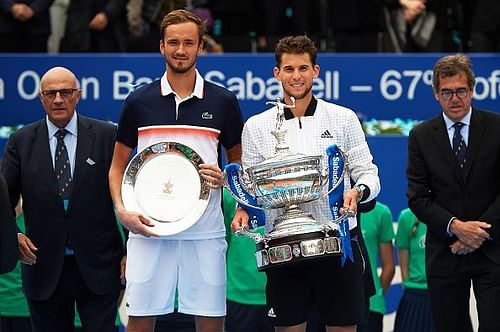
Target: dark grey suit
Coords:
[(439, 190)]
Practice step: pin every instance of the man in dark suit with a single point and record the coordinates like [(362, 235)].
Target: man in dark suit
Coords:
[(454, 188), (24, 25), (8, 240), (72, 248)]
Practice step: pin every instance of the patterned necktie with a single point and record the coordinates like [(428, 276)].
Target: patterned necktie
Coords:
[(459, 147), (62, 166)]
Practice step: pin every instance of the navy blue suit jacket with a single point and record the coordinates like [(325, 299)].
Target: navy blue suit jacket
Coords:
[(89, 221)]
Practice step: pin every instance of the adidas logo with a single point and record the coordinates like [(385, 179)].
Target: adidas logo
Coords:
[(271, 313), (207, 116), (326, 134)]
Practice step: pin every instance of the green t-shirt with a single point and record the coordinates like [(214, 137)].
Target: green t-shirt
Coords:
[(245, 284), (415, 244), (12, 300), (377, 228)]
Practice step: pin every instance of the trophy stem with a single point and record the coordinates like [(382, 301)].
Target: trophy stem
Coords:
[(293, 218)]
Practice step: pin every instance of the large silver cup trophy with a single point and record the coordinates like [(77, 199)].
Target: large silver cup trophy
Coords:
[(285, 181)]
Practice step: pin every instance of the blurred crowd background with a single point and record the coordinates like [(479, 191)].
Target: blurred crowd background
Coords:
[(254, 25)]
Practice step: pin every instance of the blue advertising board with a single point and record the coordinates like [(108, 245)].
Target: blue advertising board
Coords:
[(375, 86)]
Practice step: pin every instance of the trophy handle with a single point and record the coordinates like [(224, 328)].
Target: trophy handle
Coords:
[(324, 176), (334, 224), (245, 233), (244, 185)]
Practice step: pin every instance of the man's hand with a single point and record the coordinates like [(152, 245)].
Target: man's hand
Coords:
[(460, 248), (240, 220), (136, 223), (412, 8), (21, 12), (27, 249), (212, 175), (123, 267), (99, 22), (351, 199), (470, 233)]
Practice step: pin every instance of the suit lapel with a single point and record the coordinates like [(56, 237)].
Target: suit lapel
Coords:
[(84, 147), (41, 149), (476, 132), (443, 143)]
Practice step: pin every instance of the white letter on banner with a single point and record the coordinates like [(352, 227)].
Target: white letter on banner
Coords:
[(87, 83), (479, 94), (237, 85), (273, 90), (216, 77), (119, 84), (494, 79), (28, 74), (328, 85), (261, 86), (318, 88), (387, 82), (336, 85), (416, 75), (2, 89)]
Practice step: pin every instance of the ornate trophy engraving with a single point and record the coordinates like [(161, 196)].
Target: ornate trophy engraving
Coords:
[(163, 182), (285, 181)]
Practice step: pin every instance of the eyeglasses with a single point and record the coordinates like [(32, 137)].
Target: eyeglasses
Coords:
[(64, 93), (448, 94)]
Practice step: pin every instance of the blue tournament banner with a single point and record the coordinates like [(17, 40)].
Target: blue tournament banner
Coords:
[(376, 86)]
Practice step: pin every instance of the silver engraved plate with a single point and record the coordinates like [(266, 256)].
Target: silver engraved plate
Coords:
[(312, 247), (332, 245), (262, 258), (163, 183), (280, 254)]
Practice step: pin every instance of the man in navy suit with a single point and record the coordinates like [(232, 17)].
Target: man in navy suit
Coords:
[(72, 249), (454, 188)]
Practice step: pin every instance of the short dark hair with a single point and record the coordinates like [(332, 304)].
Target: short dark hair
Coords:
[(452, 65), (182, 16), (295, 45)]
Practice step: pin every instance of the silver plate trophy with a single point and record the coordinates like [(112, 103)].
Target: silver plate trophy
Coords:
[(285, 181), (163, 183)]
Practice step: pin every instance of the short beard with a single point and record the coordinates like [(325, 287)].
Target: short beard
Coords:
[(180, 70), (300, 96)]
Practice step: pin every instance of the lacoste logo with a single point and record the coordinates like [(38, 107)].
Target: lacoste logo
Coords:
[(326, 134), (271, 313), (207, 116)]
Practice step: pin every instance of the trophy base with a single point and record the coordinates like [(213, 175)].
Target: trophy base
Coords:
[(282, 251)]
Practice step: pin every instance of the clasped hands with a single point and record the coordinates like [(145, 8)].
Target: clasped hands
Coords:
[(471, 235)]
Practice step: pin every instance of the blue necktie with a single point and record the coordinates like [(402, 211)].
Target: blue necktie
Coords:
[(459, 147), (62, 166)]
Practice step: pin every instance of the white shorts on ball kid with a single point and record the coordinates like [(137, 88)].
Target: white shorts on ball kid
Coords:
[(157, 267)]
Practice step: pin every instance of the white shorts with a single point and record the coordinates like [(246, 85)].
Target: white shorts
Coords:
[(157, 267)]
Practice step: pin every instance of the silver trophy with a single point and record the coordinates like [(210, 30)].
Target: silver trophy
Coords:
[(285, 181)]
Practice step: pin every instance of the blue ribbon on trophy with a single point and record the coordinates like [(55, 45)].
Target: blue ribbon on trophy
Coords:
[(257, 217), (336, 199)]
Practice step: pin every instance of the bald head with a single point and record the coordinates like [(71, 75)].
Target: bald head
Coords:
[(59, 94), (60, 74)]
